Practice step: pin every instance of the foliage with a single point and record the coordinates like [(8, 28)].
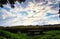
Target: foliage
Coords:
[(8, 35), (53, 34)]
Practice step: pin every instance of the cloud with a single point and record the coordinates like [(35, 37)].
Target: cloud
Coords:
[(32, 13)]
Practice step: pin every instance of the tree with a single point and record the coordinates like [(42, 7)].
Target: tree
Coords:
[(9, 1)]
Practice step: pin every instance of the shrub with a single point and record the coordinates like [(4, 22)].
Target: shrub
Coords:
[(8, 35)]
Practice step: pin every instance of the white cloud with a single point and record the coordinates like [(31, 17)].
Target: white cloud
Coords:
[(36, 14)]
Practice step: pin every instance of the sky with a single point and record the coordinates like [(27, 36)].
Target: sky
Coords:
[(30, 12)]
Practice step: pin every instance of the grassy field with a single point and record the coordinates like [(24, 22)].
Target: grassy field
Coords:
[(53, 34)]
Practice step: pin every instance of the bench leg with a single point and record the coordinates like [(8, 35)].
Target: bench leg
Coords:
[(41, 32)]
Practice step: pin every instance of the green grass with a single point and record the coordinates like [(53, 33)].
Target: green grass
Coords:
[(53, 34)]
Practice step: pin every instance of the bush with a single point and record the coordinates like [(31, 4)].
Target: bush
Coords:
[(54, 34), (8, 35), (2, 37)]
